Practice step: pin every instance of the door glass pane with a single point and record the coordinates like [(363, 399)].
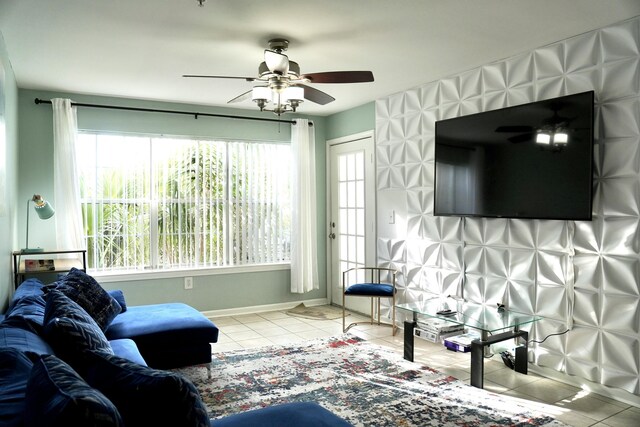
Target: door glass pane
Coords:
[(351, 194), (359, 164), (351, 209)]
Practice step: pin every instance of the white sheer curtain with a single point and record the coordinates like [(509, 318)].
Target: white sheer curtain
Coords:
[(66, 188), (304, 260)]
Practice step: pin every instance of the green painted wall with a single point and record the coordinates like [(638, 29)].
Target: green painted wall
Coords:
[(8, 171), (214, 292), (355, 120)]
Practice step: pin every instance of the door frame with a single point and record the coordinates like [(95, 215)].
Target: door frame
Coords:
[(370, 203)]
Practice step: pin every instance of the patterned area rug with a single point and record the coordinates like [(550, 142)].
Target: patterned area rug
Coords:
[(365, 384)]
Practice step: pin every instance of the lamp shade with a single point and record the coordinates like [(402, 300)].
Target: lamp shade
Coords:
[(261, 93), (44, 211), (293, 93), (543, 137), (42, 207), (561, 137)]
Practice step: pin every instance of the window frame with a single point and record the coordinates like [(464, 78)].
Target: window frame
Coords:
[(121, 275)]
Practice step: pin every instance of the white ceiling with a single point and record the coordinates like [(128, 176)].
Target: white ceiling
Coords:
[(141, 48)]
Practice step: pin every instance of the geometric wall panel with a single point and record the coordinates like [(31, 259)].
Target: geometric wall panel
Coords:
[(548, 62), (620, 79), (582, 53), (519, 71), (621, 276), (588, 272), (583, 354), (582, 275), (551, 302), (620, 118), (620, 158), (620, 313), (620, 41), (587, 308), (621, 368)]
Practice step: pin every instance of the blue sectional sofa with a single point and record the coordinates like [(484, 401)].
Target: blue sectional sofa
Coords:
[(72, 353)]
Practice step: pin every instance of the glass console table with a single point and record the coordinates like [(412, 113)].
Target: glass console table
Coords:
[(493, 324)]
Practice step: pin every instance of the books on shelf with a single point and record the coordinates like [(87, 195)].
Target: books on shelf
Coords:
[(435, 337), (39, 265), (438, 325), (461, 343), (435, 330)]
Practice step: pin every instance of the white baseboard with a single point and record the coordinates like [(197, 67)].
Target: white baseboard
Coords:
[(613, 393), (264, 308)]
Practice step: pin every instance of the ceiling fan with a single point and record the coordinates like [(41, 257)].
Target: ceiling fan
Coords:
[(281, 83), (554, 128)]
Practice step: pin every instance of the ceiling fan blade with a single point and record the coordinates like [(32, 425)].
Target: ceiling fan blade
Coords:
[(249, 79), (277, 63), (241, 97), (340, 77), (525, 137), (317, 96), (514, 129)]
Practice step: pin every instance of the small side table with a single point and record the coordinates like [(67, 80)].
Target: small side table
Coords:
[(494, 326), (61, 265)]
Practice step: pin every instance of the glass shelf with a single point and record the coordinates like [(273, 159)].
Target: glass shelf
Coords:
[(482, 317)]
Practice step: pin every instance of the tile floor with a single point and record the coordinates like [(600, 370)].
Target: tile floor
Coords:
[(573, 406)]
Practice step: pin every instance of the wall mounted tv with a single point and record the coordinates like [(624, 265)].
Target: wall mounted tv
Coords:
[(529, 161)]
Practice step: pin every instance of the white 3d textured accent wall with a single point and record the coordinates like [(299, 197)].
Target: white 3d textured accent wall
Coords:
[(585, 274)]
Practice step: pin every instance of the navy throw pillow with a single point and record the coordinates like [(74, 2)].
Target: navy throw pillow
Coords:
[(118, 295), (70, 330), (83, 289), (58, 397), (15, 368), (146, 396)]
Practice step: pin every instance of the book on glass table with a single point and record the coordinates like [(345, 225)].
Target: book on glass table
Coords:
[(39, 265)]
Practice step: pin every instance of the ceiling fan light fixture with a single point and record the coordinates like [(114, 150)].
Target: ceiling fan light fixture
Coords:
[(543, 137), (282, 84), (293, 93), (560, 137), (261, 93)]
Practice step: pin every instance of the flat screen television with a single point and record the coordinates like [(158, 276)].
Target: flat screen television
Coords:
[(532, 161)]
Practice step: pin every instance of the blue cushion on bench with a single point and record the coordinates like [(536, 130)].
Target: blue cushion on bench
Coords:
[(370, 289), (168, 335), (305, 414), (171, 322), (127, 349)]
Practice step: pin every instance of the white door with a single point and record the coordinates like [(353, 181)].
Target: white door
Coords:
[(351, 211)]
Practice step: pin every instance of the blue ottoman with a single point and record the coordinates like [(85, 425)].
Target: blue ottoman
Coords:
[(168, 336)]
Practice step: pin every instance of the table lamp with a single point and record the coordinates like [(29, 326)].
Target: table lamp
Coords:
[(44, 211)]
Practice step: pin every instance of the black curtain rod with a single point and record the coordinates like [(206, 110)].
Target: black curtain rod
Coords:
[(153, 110)]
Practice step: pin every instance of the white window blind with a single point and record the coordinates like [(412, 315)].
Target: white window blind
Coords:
[(167, 203)]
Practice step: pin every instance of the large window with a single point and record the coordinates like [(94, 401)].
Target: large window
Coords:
[(165, 203)]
